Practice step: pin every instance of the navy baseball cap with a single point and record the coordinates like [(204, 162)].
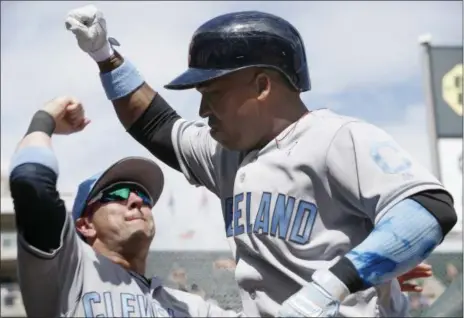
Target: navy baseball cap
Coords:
[(139, 170)]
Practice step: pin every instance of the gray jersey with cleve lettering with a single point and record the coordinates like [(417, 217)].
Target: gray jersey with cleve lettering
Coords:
[(75, 281)]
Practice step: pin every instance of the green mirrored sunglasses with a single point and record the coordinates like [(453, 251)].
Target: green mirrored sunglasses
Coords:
[(121, 193)]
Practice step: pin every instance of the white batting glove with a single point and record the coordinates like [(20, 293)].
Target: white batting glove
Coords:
[(89, 26), (313, 300)]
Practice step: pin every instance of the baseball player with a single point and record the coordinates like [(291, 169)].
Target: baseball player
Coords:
[(322, 211), (98, 270)]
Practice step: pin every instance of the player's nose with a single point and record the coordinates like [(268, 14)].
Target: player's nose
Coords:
[(134, 201), (204, 110)]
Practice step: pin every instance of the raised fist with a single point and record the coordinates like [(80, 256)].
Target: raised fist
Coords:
[(68, 113), (89, 26)]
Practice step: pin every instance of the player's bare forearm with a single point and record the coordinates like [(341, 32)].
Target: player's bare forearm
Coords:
[(35, 139), (130, 107)]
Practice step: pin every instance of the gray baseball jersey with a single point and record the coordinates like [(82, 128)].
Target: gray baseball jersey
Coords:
[(302, 202), (75, 281)]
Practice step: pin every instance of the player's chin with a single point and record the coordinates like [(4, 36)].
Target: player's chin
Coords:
[(223, 139), (141, 234), (215, 133)]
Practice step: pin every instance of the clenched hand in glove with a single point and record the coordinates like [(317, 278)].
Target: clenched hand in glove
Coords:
[(89, 26)]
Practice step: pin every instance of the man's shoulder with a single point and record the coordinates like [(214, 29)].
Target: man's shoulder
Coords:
[(337, 124), (331, 119), (322, 125), (201, 129)]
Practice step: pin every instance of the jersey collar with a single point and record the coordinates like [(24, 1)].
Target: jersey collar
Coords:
[(154, 283)]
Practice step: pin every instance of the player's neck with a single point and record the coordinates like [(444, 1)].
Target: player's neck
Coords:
[(133, 262), (285, 115)]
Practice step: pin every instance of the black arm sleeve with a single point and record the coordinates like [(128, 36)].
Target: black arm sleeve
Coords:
[(153, 130), (40, 212), (440, 204)]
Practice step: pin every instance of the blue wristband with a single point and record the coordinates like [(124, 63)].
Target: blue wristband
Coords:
[(121, 81)]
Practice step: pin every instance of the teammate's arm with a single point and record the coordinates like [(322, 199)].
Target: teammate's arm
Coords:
[(147, 117), (48, 254)]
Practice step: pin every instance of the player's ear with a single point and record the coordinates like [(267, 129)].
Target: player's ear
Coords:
[(85, 228), (263, 86)]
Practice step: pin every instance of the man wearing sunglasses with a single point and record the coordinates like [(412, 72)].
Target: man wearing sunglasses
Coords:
[(92, 262)]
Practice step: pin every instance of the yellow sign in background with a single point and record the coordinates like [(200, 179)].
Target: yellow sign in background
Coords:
[(452, 88)]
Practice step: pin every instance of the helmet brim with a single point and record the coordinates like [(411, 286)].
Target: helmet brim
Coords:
[(196, 76)]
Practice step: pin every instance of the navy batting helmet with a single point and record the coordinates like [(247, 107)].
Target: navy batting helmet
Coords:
[(239, 40)]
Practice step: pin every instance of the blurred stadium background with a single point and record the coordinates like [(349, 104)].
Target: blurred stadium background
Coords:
[(210, 273)]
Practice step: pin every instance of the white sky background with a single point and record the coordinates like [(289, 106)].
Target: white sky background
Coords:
[(367, 46)]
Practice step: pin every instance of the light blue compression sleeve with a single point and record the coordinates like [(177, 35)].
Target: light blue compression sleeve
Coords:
[(35, 154), (404, 237)]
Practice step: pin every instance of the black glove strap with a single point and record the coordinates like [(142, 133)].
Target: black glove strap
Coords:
[(42, 121)]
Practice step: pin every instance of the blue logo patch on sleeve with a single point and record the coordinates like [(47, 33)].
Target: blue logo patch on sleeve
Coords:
[(389, 158)]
